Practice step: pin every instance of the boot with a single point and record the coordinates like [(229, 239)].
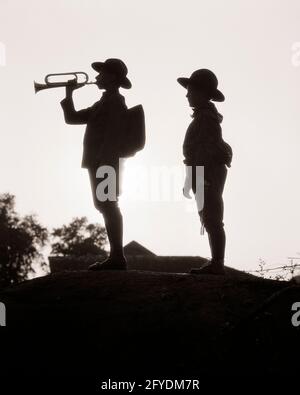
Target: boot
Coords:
[(217, 240), (111, 263), (216, 268), (114, 226)]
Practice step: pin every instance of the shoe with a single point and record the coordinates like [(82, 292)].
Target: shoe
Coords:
[(110, 263), (210, 269)]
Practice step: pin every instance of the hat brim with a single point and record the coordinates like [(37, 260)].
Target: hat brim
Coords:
[(217, 95), (125, 83), (183, 81), (100, 66)]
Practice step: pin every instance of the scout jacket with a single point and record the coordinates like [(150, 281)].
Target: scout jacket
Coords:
[(203, 143), (103, 120)]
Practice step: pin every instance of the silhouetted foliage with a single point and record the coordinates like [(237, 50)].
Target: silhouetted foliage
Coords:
[(278, 272), (21, 239), (79, 238)]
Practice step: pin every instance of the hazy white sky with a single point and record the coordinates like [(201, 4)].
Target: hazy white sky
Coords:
[(248, 44)]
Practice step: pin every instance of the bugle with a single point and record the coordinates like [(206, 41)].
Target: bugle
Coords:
[(75, 80)]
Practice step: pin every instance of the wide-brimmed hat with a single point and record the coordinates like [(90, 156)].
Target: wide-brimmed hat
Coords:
[(205, 80), (114, 66)]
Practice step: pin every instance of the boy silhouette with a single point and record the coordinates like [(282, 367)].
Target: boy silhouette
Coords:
[(203, 146), (100, 148)]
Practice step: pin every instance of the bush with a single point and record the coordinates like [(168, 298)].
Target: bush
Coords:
[(21, 240)]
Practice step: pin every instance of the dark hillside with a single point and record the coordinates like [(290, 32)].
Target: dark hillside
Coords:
[(148, 323)]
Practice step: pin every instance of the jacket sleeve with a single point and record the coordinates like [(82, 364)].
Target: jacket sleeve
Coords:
[(73, 117)]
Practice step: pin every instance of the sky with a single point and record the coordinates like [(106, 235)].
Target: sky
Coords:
[(254, 49)]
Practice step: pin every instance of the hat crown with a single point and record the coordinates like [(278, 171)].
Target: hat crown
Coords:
[(204, 78), (117, 66)]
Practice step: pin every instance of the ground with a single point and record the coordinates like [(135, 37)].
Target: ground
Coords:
[(149, 323)]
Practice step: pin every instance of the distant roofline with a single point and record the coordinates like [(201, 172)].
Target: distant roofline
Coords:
[(133, 244)]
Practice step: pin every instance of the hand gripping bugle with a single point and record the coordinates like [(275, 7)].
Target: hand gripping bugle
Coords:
[(74, 81)]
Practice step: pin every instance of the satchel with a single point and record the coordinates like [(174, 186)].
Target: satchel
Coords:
[(133, 135), (223, 153)]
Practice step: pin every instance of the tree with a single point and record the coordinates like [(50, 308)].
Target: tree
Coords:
[(21, 240), (79, 238)]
